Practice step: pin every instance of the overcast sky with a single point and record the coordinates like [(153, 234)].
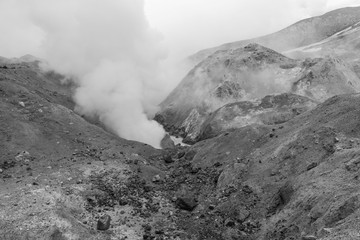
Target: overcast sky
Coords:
[(185, 25), (191, 25)]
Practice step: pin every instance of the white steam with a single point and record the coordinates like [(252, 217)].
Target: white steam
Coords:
[(113, 54)]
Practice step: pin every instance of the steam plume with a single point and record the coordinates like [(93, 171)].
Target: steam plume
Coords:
[(114, 56)]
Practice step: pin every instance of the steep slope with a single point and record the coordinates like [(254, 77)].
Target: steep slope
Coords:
[(300, 34), (248, 74), (297, 180)]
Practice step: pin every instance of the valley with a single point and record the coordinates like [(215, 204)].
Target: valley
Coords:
[(271, 147)]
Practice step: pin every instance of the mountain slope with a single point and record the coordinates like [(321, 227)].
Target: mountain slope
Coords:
[(60, 174), (344, 44), (248, 74), (294, 180), (300, 34)]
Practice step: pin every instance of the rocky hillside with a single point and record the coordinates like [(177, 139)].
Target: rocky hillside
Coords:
[(302, 33), (249, 74), (293, 174), (63, 177), (270, 110), (275, 151), (296, 180)]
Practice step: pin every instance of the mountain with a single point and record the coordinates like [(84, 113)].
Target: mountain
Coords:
[(249, 74), (302, 33), (274, 134), (274, 154), (294, 180)]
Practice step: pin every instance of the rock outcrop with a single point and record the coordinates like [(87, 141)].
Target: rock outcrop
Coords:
[(271, 110)]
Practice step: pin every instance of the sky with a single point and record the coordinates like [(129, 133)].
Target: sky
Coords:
[(186, 26)]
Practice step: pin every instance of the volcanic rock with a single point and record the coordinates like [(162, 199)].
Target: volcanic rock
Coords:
[(186, 202), (103, 223)]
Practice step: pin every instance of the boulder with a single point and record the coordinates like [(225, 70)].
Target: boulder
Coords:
[(186, 203), (103, 223)]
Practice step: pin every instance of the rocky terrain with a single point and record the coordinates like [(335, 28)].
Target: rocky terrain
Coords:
[(274, 154), (60, 173), (249, 74), (296, 180)]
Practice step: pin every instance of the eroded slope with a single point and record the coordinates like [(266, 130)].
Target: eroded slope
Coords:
[(249, 74)]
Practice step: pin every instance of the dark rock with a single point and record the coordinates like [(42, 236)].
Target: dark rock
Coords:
[(280, 199), (286, 192), (159, 231), (194, 170), (311, 166), (180, 154), (103, 223), (229, 223), (353, 165), (190, 155), (148, 237), (123, 202), (168, 159), (242, 215), (186, 203), (217, 164), (147, 188), (167, 142), (147, 227), (57, 235), (156, 178), (247, 189)]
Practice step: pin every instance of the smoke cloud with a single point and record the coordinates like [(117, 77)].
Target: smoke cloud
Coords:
[(108, 48)]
